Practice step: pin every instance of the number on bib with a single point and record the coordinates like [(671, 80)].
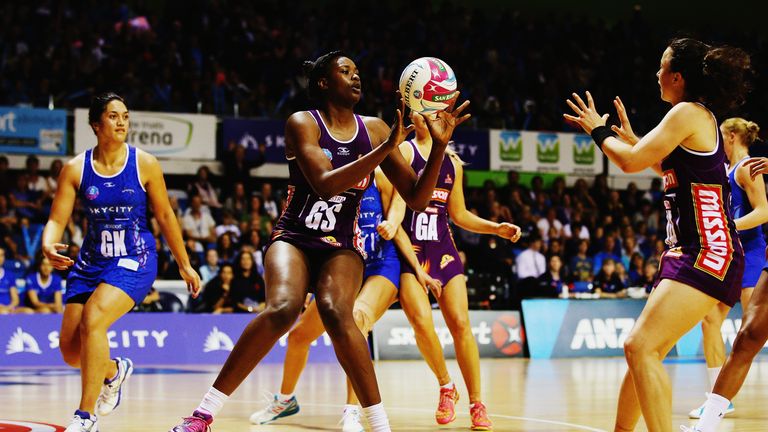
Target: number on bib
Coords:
[(113, 243), (322, 216), (426, 227)]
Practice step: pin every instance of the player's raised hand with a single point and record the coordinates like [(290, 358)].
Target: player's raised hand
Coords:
[(624, 131), (58, 261), (586, 113), (443, 123), (398, 131)]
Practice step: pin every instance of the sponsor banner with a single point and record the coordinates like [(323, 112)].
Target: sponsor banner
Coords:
[(147, 338), (166, 135), (33, 131), (498, 334), (253, 133), (692, 345), (544, 152), (472, 146)]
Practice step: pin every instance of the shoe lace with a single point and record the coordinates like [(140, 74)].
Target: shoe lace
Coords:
[(446, 397), (479, 411), (196, 424), (275, 406), (352, 414)]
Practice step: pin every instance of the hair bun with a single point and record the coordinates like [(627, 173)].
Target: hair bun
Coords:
[(307, 67)]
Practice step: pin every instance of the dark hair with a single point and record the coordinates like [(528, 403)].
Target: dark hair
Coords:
[(99, 104), (318, 69), (718, 77)]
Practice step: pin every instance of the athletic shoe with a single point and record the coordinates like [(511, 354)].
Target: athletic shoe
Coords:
[(197, 422), (275, 410), (446, 408), (688, 429), (480, 420), (696, 413), (83, 422), (112, 391), (350, 420)]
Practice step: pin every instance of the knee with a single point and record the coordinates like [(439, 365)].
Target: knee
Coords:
[(459, 324), (711, 323), (636, 351), (334, 313), (363, 320), (93, 319), (749, 341), (283, 314), (421, 321)]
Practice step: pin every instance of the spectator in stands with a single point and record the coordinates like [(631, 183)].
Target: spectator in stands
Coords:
[(635, 267), (654, 194), (621, 272), (530, 264), (607, 282), (36, 183), (9, 294), (268, 201), (237, 169), (210, 269), (53, 176), (549, 226), (252, 242), (607, 252), (225, 247), (527, 225), (228, 225), (8, 221), (151, 302), (163, 259), (217, 294), (198, 225), (581, 265), (25, 201), (247, 291), (237, 203), (551, 283), (203, 188), (44, 288), (258, 217), (648, 277)]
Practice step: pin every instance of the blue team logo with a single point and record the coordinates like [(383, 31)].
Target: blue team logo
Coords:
[(328, 154), (92, 193)]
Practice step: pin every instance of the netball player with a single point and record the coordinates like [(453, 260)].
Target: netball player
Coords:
[(749, 209), (331, 153), (382, 281), (432, 241), (705, 261), (118, 261)]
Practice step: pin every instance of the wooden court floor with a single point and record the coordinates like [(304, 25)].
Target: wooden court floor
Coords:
[(521, 395)]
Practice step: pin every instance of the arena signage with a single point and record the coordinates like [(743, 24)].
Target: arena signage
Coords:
[(252, 134), (472, 147), (33, 130), (498, 334), (147, 338), (544, 152), (166, 135)]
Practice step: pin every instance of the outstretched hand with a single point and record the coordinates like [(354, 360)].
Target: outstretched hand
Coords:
[(757, 166), (624, 132), (443, 123), (586, 113), (398, 131), (58, 261)]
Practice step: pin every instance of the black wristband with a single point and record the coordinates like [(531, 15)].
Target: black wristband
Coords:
[(600, 133)]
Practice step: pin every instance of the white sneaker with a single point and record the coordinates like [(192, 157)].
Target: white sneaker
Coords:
[(697, 412), (81, 423), (275, 410), (350, 420), (111, 393)]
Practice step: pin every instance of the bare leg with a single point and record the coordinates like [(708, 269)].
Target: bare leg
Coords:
[(287, 277), (714, 348), (660, 325), (106, 305), (309, 328), (455, 309), (69, 339), (419, 312)]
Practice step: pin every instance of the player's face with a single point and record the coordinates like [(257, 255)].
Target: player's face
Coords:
[(344, 80), (114, 122), (668, 80)]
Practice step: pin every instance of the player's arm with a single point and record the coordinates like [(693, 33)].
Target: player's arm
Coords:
[(154, 183), (61, 211), (457, 210), (301, 141), (755, 189), (675, 127)]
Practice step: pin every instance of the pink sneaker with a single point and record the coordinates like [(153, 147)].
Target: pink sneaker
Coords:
[(480, 420), (446, 408), (198, 422)]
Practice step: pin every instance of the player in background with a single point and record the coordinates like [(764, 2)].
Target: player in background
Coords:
[(705, 261), (749, 208), (117, 263)]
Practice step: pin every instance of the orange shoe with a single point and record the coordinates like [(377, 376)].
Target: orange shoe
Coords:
[(446, 409), (480, 420)]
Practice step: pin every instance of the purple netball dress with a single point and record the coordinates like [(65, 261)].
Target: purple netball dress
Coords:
[(313, 224), (429, 231), (704, 248)]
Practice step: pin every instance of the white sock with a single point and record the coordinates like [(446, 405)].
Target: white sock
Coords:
[(712, 373), (377, 418), (213, 402), (714, 411), (284, 397), (348, 407), (448, 385)]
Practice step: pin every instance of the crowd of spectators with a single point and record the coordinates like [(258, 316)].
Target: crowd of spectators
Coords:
[(582, 239), (237, 57)]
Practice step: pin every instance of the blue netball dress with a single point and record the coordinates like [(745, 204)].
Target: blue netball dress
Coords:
[(119, 248), (752, 239), (381, 256), (46, 291)]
